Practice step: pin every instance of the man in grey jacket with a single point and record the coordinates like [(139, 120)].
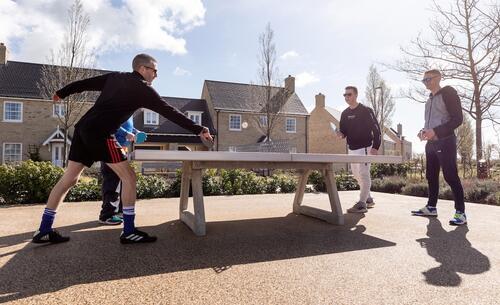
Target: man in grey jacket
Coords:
[(443, 114)]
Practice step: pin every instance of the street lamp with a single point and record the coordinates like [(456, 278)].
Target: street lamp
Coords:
[(382, 117)]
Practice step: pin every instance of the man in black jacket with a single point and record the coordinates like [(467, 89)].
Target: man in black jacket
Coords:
[(443, 114), (360, 127), (93, 140)]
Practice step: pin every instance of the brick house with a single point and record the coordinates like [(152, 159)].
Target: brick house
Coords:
[(166, 135), (29, 123), (238, 116), (322, 139)]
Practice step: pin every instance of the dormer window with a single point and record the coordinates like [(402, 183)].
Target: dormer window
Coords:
[(195, 116)]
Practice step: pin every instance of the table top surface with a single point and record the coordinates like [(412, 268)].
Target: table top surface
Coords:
[(225, 156)]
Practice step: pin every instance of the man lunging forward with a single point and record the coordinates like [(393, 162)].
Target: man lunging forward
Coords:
[(121, 95)]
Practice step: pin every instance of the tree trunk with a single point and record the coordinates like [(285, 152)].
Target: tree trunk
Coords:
[(479, 137), (65, 148)]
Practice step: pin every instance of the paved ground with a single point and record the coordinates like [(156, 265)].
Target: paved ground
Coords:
[(256, 252)]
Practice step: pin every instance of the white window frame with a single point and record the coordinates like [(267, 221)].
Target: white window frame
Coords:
[(12, 143), (263, 120), (5, 112), (294, 120), (155, 117), (56, 113), (195, 114), (231, 116)]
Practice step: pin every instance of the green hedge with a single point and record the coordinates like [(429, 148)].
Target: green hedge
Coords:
[(31, 182), (344, 181), (27, 182)]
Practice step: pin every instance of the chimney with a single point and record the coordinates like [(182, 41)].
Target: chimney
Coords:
[(400, 130), (290, 83), (320, 101), (3, 54)]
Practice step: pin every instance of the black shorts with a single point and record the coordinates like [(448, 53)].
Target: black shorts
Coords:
[(87, 148)]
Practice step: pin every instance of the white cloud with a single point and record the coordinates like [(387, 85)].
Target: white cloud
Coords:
[(305, 78), (147, 24), (289, 55), (181, 72)]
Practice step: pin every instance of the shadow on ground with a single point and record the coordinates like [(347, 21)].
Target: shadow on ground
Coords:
[(96, 255), (454, 252)]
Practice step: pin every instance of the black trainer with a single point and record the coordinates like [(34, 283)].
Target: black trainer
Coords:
[(53, 237), (137, 237)]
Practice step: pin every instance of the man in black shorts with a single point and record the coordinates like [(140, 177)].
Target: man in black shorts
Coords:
[(121, 95)]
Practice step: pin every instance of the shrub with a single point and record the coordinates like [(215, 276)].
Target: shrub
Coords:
[(416, 189), (316, 179), (346, 182), (152, 186), (446, 193), (86, 190), (493, 198), (379, 170), (28, 181), (286, 183), (212, 184), (393, 185), (478, 190)]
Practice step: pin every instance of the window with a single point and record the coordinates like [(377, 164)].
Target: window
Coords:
[(235, 122), (291, 125), (13, 112), (59, 110), (12, 152), (293, 149), (151, 118), (263, 121), (195, 116)]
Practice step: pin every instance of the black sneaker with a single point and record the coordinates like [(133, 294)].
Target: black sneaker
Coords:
[(137, 237), (53, 237)]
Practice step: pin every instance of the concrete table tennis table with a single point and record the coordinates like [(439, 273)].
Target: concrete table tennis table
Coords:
[(193, 162)]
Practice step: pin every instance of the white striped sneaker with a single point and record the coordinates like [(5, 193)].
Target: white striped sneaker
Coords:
[(137, 237)]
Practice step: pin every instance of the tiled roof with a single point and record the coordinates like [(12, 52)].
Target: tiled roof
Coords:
[(19, 79), (167, 127), (245, 97)]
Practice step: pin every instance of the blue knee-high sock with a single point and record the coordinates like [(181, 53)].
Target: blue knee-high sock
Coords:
[(128, 220), (47, 220)]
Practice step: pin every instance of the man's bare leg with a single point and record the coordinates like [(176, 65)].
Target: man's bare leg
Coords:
[(70, 177), (129, 181), (67, 181)]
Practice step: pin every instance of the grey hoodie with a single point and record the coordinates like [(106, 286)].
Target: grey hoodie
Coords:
[(443, 112)]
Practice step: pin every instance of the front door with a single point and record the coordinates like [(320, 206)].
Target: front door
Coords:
[(57, 154)]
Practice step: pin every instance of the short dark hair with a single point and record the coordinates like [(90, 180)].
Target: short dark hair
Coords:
[(353, 89), (141, 60), (433, 72)]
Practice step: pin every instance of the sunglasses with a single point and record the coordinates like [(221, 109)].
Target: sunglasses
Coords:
[(347, 94), (427, 79), (154, 70)]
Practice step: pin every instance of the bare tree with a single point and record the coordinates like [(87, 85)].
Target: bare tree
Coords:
[(466, 47), (465, 145), (269, 92), (72, 61), (379, 97)]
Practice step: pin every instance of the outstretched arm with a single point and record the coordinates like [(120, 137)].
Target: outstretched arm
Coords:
[(89, 84)]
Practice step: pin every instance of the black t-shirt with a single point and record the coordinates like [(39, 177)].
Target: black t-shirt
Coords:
[(360, 127), (121, 95)]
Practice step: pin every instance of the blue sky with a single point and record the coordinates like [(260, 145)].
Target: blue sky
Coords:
[(325, 44)]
